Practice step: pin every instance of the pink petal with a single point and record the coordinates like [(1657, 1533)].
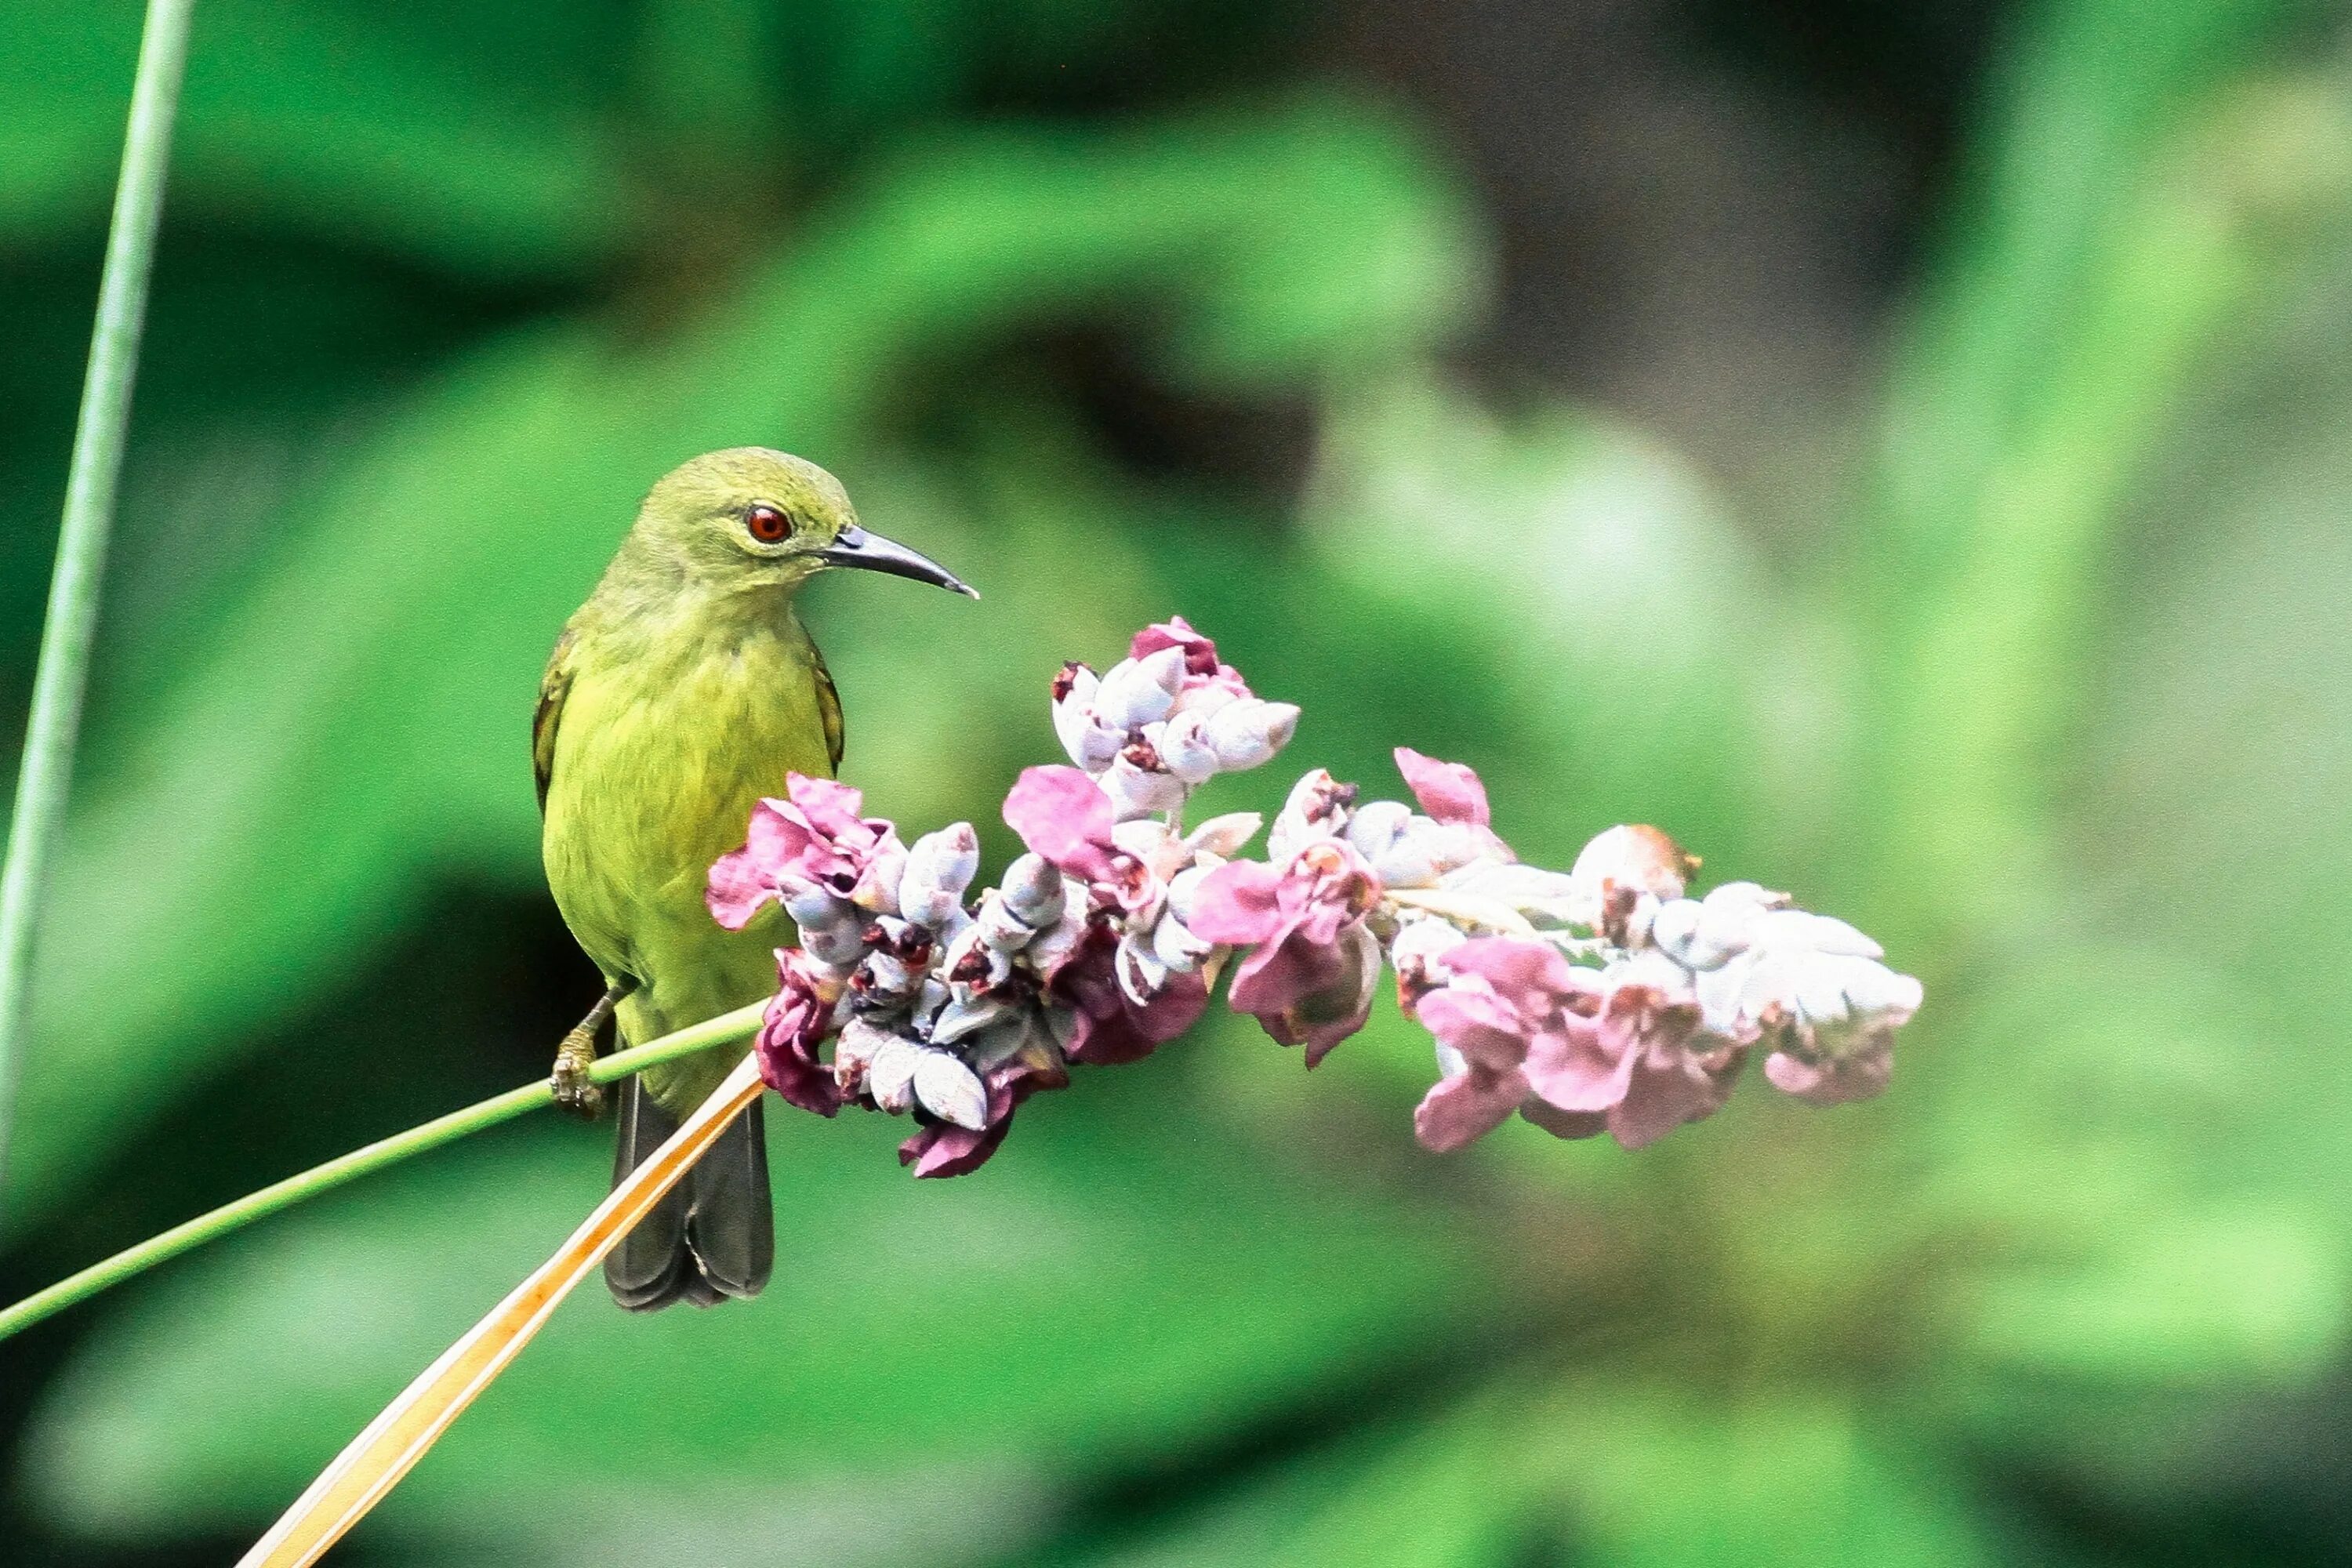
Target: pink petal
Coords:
[(1199, 653), (1668, 1090), (1531, 976), (1340, 1010), (1239, 901), (1479, 1025), (1581, 1067), (1279, 974), (1177, 1007), (1062, 816), (831, 808), (1449, 791), (739, 886), (1465, 1107), (797, 1021)]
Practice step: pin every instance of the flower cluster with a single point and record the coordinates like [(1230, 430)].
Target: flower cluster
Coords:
[(1599, 999)]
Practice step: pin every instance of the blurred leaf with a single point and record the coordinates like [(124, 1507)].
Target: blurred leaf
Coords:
[(2046, 379), (1593, 1472), (321, 118), (1124, 1282)]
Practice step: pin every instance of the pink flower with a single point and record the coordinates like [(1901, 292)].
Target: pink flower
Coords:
[(1448, 791), (1575, 1052), (1310, 975), (813, 840), (1507, 1000), (799, 1019), (1664, 1071)]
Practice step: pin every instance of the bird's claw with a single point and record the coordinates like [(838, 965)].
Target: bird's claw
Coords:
[(576, 1092)]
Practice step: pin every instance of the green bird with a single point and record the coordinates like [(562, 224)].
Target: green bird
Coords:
[(682, 692)]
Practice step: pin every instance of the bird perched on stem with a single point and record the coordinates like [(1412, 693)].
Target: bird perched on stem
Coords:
[(681, 692)]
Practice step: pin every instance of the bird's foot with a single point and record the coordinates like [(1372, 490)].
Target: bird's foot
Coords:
[(576, 1092)]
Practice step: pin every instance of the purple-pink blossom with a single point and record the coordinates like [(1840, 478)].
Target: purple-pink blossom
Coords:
[(1313, 967), (798, 1020), (813, 839), (1575, 1051), (1619, 1006)]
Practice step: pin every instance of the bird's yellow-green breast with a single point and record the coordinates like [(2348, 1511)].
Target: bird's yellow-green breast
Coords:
[(670, 732)]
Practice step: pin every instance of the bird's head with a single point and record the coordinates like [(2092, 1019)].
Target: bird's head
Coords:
[(759, 519)]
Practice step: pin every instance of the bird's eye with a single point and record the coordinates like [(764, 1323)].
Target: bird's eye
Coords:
[(767, 524)]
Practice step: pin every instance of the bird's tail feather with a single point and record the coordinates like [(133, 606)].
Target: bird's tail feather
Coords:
[(714, 1235)]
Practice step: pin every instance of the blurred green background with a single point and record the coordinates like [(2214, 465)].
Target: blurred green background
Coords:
[(1902, 450)]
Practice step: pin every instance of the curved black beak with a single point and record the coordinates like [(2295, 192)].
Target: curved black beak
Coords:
[(872, 552)]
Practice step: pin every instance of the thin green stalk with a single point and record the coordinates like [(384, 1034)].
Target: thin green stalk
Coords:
[(725, 1030), (97, 467)]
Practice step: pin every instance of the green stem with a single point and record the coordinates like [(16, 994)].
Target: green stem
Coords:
[(96, 466), (726, 1029)]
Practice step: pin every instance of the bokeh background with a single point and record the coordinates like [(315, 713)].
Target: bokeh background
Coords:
[(1902, 450)]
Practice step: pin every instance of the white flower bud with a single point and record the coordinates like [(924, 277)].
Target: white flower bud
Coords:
[(1777, 929), (1175, 945), (877, 890), (1087, 742), (1135, 791), (1829, 1004), (1136, 691), (1033, 892), (964, 1016), (1423, 852), (1143, 839), (1141, 972), (888, 974), (1206, 698), (1418, 952), (841, 943), (1317, 808), (1053, 944), (939, 868), (853, 1052), (1183, 749), (1638, 857), (1546, 898), (1225, 836), (1249, 731), (1182, 888), (999, 927), (1706, 934), (1376, 825), (951, 1090), (816, 906), (891, 1072)]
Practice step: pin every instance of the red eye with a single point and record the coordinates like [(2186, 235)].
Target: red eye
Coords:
[(767, 524)]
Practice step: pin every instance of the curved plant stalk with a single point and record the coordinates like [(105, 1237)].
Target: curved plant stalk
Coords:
[(726, 1029), (64, 671), (364, 1472)]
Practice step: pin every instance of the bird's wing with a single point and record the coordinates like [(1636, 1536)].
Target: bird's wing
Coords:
[(828, 708), (553, 686)]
